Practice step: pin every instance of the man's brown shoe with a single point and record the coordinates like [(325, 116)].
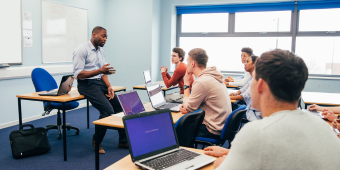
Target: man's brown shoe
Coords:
[(101, 150), (123, 145)]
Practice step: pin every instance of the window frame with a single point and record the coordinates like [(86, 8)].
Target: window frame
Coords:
[(293, 33)]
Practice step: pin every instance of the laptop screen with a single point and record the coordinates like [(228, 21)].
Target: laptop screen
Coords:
[(147, 77), (131, 103), (155, 94), (150, 133)]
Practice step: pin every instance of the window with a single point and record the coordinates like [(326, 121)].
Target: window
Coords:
[(272, 21), (205, 22), (308, 28)]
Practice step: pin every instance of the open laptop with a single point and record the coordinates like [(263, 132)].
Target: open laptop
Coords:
[(147, 78), (130, 102), (153, 143), (64, 88), (157, 99)]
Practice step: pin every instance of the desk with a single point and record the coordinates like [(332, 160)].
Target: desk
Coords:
[(127, 164), (73, 95), (115, 122), (328, 99), (142, 87), (230, 86)]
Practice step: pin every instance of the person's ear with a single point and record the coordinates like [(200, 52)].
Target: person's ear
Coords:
[(260, 83)]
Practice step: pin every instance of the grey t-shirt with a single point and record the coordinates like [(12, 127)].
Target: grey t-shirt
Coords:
[(285, 140)]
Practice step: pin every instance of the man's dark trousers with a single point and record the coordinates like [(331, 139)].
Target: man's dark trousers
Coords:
[(94, 90)]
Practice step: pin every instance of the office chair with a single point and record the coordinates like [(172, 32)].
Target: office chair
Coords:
[(229, 130), (43, 81), (187, 127)]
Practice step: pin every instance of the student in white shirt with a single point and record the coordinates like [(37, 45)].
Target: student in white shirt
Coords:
[(246, 52), (286, 137), (244, 93)]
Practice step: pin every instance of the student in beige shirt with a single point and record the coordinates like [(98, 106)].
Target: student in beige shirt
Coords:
[(208, 93)]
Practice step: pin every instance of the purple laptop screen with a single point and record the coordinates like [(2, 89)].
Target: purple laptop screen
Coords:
[(131, 103), (150, 133)]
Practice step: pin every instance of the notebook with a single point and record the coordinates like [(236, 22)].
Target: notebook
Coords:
[(64, 88)]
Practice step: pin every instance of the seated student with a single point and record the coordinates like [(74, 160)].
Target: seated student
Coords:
[(208, 93), (246, 52), (177, 58), (336, 124), (287, 137), (244, 92)]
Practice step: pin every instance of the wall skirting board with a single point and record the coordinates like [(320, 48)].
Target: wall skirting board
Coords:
[(9, 124), (25, 71)]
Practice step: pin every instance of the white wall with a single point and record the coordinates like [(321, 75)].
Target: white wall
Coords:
[(168, 37)]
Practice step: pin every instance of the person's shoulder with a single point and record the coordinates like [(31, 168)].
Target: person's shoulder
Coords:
[(181, 68), (82, 47)]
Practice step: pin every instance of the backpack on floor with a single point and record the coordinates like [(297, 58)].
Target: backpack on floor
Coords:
[(28, 142)]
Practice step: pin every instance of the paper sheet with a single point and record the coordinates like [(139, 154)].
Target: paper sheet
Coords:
[(27, 23)]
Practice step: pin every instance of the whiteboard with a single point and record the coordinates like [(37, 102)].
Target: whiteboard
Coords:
[(63, 29), (11, 44)]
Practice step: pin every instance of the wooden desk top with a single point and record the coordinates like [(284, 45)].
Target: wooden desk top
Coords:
[(117, 122), (72, 95), (142, 86), (332, 99), (230, 86), (127, 164)]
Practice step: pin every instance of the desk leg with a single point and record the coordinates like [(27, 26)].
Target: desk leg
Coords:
[(64, 133), (96, 147), (19, 109), (164, 92), (305, 106), (88, 114)]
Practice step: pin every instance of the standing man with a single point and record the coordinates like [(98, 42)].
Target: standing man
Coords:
[(90, 70)]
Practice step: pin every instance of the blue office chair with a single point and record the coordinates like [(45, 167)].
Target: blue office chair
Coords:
[(229, 130), (187, 127), (43, 81)]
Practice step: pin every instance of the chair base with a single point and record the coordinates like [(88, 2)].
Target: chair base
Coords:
[(60, 127)]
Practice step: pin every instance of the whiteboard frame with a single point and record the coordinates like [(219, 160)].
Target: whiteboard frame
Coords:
[(20, 38), (42, 60)]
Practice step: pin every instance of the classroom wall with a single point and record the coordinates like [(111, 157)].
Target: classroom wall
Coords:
[(168, 38), (32, 57), (133, 30)]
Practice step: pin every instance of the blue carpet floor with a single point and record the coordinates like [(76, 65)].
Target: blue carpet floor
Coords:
[(80, 152)]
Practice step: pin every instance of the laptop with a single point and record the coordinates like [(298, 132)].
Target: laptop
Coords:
[(153, 143), (130, 102), (157, 99), (64, 88), (147, 78)]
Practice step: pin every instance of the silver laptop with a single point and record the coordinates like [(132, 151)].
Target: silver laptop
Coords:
[(153, 143), (130, 102), (157, 99), (147, 78), (64, 88)]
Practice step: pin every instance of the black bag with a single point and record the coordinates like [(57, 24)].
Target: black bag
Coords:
[(28, 142)]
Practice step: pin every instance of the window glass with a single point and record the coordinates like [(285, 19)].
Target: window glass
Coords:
[(321, 54), (217, 22), (272, 21), (319, 20), (225, 52)]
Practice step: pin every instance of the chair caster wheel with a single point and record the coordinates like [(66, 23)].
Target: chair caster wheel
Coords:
[(77, 133), (59, 137), (68, 128)]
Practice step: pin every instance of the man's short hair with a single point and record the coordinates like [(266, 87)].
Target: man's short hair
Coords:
[(200, 56), (180, 52), (247, 50), (285, 73), (254, 58), (97, 29)]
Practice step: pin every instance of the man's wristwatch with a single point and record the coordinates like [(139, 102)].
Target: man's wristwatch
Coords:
[(185, 87)]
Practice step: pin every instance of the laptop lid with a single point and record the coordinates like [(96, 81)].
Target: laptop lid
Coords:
[(65, 84), (155, 94), (130, 102), (150, 133), (147, 76)]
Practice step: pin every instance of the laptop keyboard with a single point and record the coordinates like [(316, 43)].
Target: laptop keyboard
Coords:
[(168, 105), (171, 159), (316, 113)]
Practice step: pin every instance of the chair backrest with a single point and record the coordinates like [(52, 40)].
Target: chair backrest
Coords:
[(42, 80), (232, 124), (187, 127)]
